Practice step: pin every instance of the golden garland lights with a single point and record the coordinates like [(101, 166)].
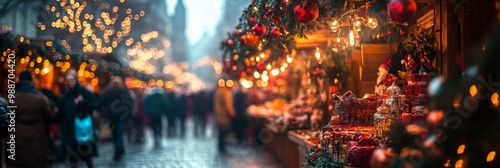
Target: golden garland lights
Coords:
[(104, 29)]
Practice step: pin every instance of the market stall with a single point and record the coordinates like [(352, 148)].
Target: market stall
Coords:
[(366, 76)]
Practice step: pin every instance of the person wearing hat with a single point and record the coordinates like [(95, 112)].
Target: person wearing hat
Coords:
[(32, 116)]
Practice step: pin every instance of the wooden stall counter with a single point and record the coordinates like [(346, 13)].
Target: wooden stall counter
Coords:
[(303, 143)]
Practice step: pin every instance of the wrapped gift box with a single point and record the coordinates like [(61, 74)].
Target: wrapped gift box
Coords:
[(359, 154)]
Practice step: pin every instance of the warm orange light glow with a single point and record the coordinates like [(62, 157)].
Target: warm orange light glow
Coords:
[(265, 77), (221, 83), (473, 90), (491, 156), (461, 149), (494, 99), (229, 83), (256, 75), (275, 72), (459, 163)]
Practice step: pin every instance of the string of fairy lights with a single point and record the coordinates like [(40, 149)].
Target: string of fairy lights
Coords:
[(104, 30)]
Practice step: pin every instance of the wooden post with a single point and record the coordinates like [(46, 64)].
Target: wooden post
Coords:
[(448, 38)]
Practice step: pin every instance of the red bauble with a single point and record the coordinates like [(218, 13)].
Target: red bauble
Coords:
[(259, 29), (306, 13), (230, 42), (275, 33), (252, 21), (402, 10), (250, 39)]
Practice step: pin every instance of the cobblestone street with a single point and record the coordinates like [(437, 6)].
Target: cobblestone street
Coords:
[(187, 152)]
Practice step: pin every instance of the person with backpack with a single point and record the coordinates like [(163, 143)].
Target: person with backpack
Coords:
[(117, 105), (75, 113)]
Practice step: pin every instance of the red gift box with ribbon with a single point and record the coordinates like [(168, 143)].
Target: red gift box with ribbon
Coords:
[(360, 155)]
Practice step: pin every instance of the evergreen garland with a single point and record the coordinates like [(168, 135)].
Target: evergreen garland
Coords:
[(279, 14), (316, 158)]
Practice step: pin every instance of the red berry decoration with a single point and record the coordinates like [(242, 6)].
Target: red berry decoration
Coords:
[(402, 10), (275, 33), (402, 33), (314, 158), (307, 13), (230, 42), (252, 21), (316, 150), (259, 29), (389, 32)]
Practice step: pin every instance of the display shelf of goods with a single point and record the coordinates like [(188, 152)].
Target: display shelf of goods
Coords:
[(353, 110)]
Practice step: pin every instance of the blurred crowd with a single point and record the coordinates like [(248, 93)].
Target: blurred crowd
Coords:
[(66, 127)]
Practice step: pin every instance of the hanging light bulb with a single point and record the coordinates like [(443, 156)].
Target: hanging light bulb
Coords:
[(317, 54), (335, 25), (351, 37), (357, 24), (372, 23)]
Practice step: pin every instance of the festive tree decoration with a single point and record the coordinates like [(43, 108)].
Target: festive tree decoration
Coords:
[(306, 13), (259, 29), (275, 33), (252, 21), (250, 39), (402, 10)]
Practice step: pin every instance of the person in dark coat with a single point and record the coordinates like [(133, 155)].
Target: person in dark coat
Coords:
[(155, 106), (240, 122), (32, 116), (117, 104), (170, 112), (200, 111), (139, 116), (52, 127), (181, 112), (77, 100), (4, 120)]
